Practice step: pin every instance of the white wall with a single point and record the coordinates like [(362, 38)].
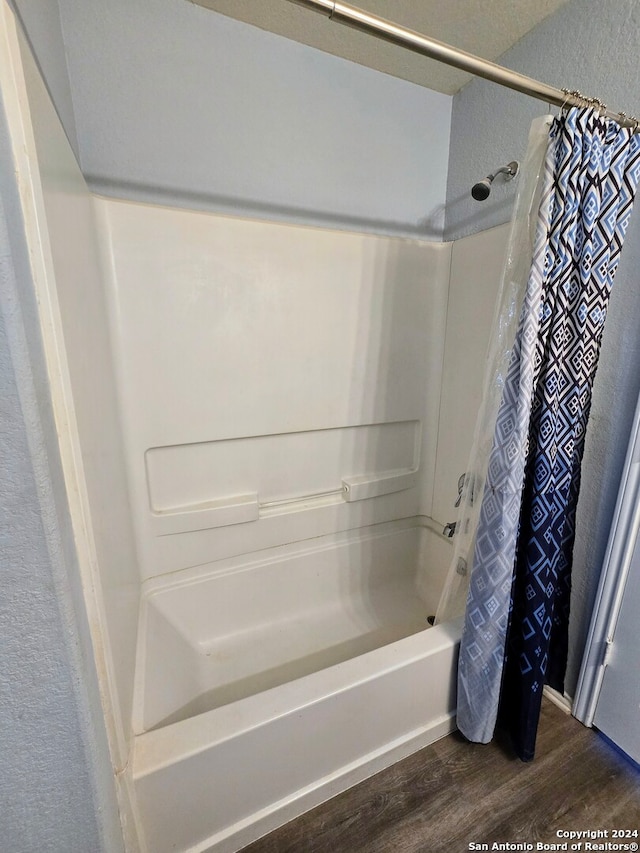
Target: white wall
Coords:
[(262, 363), (183, 106)]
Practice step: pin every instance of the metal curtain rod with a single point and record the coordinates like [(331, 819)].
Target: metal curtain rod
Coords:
[(343, 13)]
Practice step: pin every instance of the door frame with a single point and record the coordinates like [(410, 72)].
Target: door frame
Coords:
[(615, 570)]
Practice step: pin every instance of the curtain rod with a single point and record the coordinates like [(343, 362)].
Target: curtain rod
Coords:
[(343, 13)]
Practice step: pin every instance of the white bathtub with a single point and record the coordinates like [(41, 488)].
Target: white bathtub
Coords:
[(268, 684)]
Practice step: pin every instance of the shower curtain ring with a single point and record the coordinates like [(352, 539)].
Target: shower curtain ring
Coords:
[(598, 105), (628, 120), (567, 95), (576, 95)]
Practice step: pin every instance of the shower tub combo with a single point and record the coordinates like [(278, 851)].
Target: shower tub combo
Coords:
[(284, 506), (250, 418), (256, 708)]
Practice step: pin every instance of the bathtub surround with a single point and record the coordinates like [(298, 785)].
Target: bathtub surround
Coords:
[(331, 397), (268, 445)]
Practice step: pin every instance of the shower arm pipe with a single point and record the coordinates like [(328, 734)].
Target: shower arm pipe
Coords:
[(358, 19)]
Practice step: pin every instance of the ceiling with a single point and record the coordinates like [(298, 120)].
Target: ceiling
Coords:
[(486, 28)]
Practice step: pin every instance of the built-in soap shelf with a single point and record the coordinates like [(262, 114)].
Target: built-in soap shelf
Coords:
[(239, 509), (372, 486), (289, 472), (219, 513)]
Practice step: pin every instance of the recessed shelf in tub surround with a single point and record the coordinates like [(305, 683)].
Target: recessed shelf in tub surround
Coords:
[(233, 481)]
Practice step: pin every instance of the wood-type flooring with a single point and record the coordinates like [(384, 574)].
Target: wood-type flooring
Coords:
[(454, 796)]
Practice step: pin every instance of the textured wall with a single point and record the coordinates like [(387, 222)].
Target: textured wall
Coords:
[(585, 45), (592, 47), (56, 787), (181, 105)]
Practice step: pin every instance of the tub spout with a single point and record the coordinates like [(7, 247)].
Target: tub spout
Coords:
[(450, 529)]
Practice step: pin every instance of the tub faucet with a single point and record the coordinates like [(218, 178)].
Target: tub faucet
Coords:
[(450, 529)]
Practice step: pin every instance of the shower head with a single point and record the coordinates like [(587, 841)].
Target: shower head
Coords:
[(481, 190)]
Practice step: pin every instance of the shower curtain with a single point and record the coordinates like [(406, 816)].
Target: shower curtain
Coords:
[(515, 629), (511, 292)]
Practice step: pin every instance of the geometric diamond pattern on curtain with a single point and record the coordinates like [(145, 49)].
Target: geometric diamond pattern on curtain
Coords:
[(516, 625)]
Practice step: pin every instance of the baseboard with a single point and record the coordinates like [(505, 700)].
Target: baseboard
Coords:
[(564, 702)]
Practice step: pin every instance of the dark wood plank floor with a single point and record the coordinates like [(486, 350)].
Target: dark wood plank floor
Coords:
[(453, 794)]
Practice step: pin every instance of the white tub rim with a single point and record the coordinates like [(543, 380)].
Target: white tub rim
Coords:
[(162, 747)]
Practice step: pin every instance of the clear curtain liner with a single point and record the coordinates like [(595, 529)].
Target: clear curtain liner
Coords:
[(507, 314)]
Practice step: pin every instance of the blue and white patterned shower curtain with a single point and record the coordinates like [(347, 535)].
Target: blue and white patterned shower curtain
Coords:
[(515, 631)]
